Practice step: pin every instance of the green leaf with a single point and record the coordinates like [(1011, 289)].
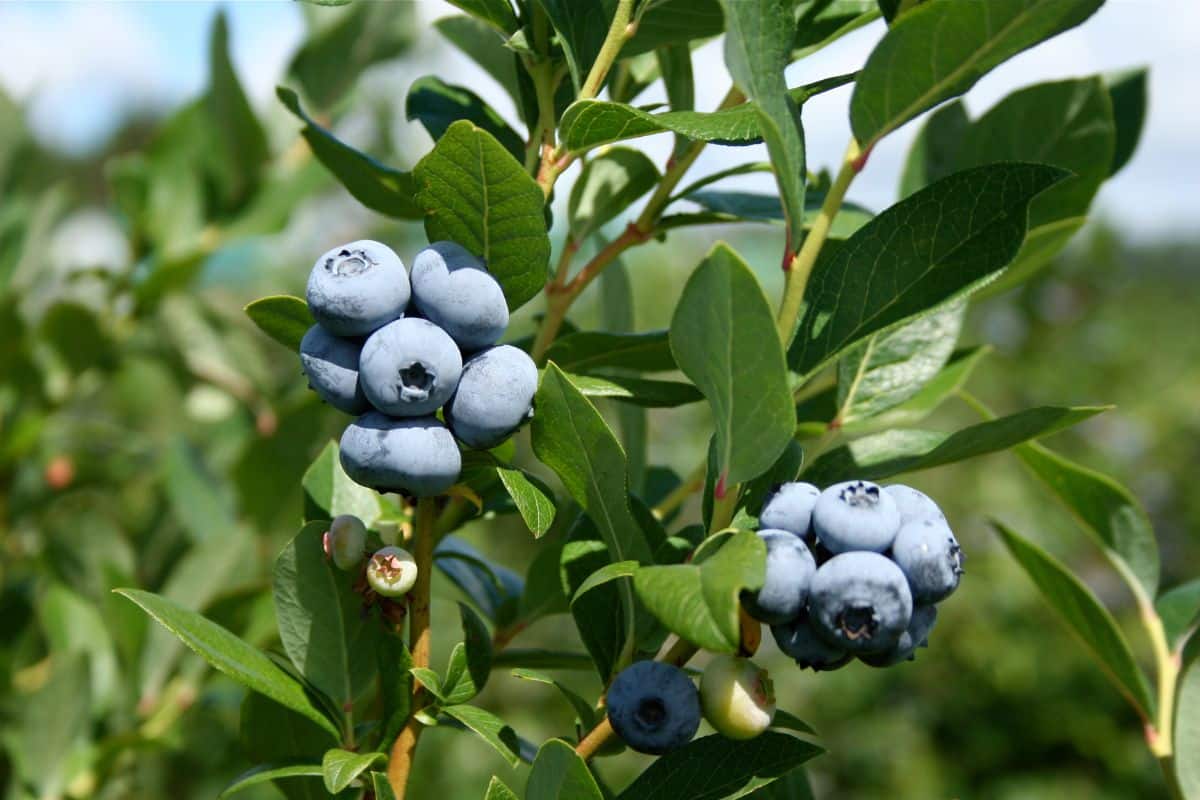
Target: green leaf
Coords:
[(470, 660), (485, 47), (758, 46), (581, 26), (331, 492), (239, 137), (230, 655), (889, 368), (607, 185), (321, 624), (266, 773), (716, 768), (395, 685), (586, 714), (675, 64), (438, 105), (383, 789), (272, 734), (700, 602), (559, 773), (587, 351), (1187, 725), (591, 123), (533, 499), (934, 152), (198, 499), (790, 722), (941, 243), (340, 767), (494, 589), (1179, 609), (490, 728), (674, 22), (822, 22), (793, 785), (331, 60), (476, 194), (1085, 616), (734, 206), (1106, 510), (926, 400), (723, 337), (497, 13), (381, 188), (1067, 124), (496, 790), (896, 451), (571, 438), (940, 49), (1127, 92), (637, 391), (50, 723), (609, 572)]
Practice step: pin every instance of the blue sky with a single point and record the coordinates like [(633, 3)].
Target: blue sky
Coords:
[(82, 65)]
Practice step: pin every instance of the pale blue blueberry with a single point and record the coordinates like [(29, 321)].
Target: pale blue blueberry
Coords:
[(790, 568), (790, 508), (414, 455), (860, 602), (798, 640), (654, 707), (929, 556), (916, 635), (856, 515), (913, 504), (409, 368), (331, 365), (494, 396), (358, 288), (452, 288)]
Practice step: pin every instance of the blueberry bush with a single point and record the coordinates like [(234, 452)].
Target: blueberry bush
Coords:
[(420, 422)]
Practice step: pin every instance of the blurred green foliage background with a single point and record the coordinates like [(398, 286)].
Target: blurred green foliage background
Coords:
[(151, 436)]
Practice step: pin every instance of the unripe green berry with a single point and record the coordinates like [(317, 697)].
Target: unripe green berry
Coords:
[(346, 541), (392, 571), (737, 697)]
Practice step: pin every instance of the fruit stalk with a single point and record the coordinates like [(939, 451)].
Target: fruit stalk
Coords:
[(801, 265), (424, 535)]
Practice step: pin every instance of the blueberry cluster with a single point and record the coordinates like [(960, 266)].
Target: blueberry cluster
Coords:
[(854, 570), (394, 348)]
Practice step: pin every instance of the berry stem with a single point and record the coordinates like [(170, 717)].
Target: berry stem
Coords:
[(424, 538)]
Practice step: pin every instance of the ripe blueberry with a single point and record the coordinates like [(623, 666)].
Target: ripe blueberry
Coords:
[(452, 288), (798, 640), (915, 635), (855, 515), (790, 567), (653, 707), (913, 504), (929, 556), (409, 368), (331, 364), (358, 287), (494, 396), (860, 602), (416, 455), (346, 541), (790, 509), (391, 572), (737, 697)]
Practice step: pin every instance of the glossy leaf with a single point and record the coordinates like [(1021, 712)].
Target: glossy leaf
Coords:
[(533, 499), (476, 194), (230, 655), (381, 188), (1085, 616), (330, 493), (1127, 92), (321, 624), (940, 49), (758, 46), (713, 767), (340, 767), (607, 185), (497, 13), (581, 26), (282, 317), (926, 399), (238, 135), (893, 452), (591, 123), (1105, 509), (571, 438), (723, 337), (823, 22), (1067, 124), (939, 244), (700, 602), (637, 391), (490, 728), (587, 351), (1179, 609), (496, 790), (438, 105), (889, 368), (267, 773), (559, 773)]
